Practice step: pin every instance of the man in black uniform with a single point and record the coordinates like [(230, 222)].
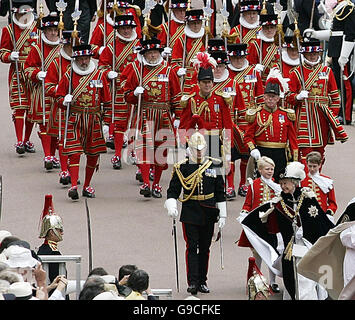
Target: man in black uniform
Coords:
[(52, 232), (203, 204)]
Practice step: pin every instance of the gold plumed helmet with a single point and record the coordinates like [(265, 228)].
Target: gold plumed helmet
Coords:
[(197, 141), (49, 219)]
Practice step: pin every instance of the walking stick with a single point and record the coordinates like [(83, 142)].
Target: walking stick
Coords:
[(14, 45), (89, 234), (297, 34), (105, 22), (43, 96), (184, 49), (342, 93), (115, 11), (176, 256), (75, 16)]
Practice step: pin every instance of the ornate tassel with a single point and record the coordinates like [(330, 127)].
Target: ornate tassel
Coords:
[(288, 250)]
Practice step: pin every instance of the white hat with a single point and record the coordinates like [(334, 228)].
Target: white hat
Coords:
[(4, 234), (294, 170), (19, 257), (22, 290), (108, 295)]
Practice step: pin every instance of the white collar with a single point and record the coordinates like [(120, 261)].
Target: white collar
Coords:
[(89, 70), (224, 77), (311, 63), (246, 65), (50, 43), (109, 20), (273, 185), (141, 58), (23, 25), (194, 35), (64, 54), (248, 25), (133, 37), (176, 19), (262, 36), (324, 183), (286, 58)]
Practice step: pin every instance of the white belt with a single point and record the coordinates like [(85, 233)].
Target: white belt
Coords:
[(337, 33)]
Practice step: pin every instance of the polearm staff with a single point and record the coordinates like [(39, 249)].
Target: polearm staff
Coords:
[(89, 233), (168, 27), (75, 16), (149, 5), (61, 6), (225, 15), (14, 44), (280, 41), (105, 22), (43, 96), (207, 13), (184, 48), (298, 35), (115, 12)]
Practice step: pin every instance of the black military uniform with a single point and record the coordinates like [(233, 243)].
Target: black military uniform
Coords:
[(203, 189)]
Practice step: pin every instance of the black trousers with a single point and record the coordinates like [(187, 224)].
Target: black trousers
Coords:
[(198, 241)]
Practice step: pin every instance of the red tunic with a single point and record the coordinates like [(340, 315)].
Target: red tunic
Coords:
[(247, 34), (323, 103), (176, 32), (24, 39), (84, 125), (327, 200), (33, 65), (159, 100), (258, 193)]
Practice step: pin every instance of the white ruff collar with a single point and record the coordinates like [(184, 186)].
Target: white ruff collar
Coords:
[(224, 77), (23, 25), (176, 19), (89, 70), (50, 43), (273, 185), (311, 63), (133, 37), (141, 58), (109, 20), (286, 58), (324, 183), (262, 36), (194, 35), (64, 54), (246, 65), (248, 25)]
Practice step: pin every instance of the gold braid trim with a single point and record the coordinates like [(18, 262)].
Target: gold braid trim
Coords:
[(190, 183)]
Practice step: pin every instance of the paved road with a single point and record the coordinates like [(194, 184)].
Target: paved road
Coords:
[(127, 228)]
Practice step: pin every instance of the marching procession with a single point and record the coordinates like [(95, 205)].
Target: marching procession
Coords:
[(182, 90)]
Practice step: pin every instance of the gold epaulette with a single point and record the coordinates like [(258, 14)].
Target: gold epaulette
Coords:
[(178, 164), (185, 98), (290, 113), (251, 114), (226, 96)]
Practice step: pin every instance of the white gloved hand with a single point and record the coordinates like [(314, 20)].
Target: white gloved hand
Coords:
[(15, 55), (259, 67), (167, 51), (138, 91), (319, 34), (321, 8), (222, 206), (171, 205), (176, 123), (242, 216), (112, 75), (105, 129), (346, 49), (255, 153), (41, 75), (67, 99), (181, 72), (302, 95)]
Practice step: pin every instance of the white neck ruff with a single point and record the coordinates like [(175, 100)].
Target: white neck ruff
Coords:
[(109, 20), (64, 54), (262, 36), (311, 63), (23, 25), (248, 25), (176, 19), (141, 58), (132, 38), (246, 65), (50, 43), (224, 77), (80, 72), (286, 58), (194, 35)]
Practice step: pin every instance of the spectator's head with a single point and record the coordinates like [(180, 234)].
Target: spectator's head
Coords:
[(6, 241), (99, 271), (126, 270), (138, 281), (93, 286)]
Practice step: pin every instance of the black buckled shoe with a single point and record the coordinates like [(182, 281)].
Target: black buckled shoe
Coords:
[(30, 147), (243, 190), (110, 142), (139, 176), (116, 162), (73, 193), (192, 288), (145, 190), (48, 163), (56, 163), (156, 191), (203, 288), (64, 178), (20, 148), (230, 193), (89, 192)]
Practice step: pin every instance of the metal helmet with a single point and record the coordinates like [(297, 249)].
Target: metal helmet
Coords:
[(197, 141), (49, 219)]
